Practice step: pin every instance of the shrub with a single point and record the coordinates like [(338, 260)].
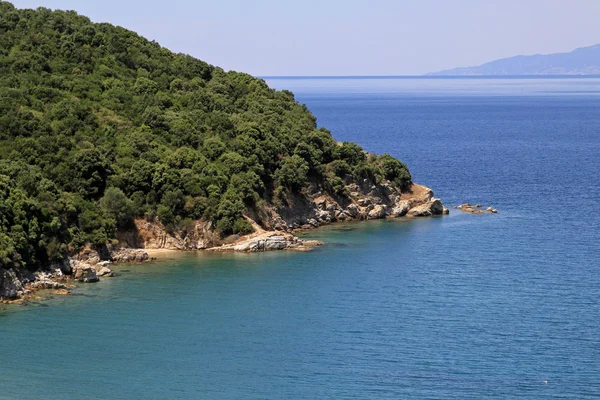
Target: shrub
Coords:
[(116, 205), (395, 171), (292, 172)]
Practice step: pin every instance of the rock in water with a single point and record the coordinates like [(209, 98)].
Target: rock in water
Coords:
[(377, 212), (84, 272), (104, 271), (401, 209), (433, 207), (129, 255)]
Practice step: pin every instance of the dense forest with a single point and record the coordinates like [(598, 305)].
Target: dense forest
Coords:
[(99, 126)]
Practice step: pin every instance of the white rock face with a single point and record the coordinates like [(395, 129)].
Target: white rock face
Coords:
[(432, 207), (269, 242), (401, 209), (377, 212), (104, 271), (10, 285)]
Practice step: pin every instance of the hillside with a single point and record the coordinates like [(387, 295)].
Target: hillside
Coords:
[(581, 61), (106, 135)]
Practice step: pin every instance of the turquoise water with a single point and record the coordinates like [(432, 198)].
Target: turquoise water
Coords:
[(464, 306)]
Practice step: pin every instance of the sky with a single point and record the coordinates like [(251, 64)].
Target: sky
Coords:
[(349, 37)]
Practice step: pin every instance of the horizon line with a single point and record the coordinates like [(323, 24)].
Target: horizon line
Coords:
[(538, 76)]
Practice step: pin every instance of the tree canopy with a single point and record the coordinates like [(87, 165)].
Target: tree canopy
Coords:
[(99, 125)]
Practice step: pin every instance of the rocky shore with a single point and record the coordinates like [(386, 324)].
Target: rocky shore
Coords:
[(299, 212), (268, 241), (475, 208), (88, 266), (274, 230)]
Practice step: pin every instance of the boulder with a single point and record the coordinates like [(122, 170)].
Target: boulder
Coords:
[(88, 255), (129, 255), (424, 210), (377, 212), (84, 272), (62, 267), (342, 215), (46, 283), (437, 208), (400, 209), (275, 243), (333, 208), (353, 210), (10, 285), (104, 271), (324, 216), (432, 207), (269, 243), (364, 202), (321, 204), (103, 264)]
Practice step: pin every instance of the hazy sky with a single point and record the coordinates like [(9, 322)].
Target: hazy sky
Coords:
[(349, 37)]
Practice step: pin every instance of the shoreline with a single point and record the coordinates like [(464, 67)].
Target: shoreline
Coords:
[(151, 242), (160, 254), (61, 284)]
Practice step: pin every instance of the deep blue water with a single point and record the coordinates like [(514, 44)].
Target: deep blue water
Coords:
[(464, 306)]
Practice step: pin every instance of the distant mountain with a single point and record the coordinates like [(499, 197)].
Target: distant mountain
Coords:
[(581, 61)]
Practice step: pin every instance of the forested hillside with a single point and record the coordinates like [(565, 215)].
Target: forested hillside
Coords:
[(99, 125)]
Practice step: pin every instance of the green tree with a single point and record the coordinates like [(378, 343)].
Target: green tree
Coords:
[(395, 171), (98, 124), (117, 206), (292, 173)]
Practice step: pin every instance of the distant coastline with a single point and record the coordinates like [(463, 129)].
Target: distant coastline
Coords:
[(583, 61), (436, 77)]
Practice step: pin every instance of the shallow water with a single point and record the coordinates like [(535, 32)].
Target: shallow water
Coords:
[(464, 306)]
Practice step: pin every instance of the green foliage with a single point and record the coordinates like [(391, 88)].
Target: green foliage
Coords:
[(352, 153), (340, 168), (292, 173), (242, 227), (394, 171), (98, 125), (115, 205)]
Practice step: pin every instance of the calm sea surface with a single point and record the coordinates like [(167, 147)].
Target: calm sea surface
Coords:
[(464, 306)]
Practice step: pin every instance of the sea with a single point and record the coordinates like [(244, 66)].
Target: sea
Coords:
[(463, 306)]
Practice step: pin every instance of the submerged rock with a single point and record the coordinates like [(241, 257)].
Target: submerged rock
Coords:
[(476, 209)]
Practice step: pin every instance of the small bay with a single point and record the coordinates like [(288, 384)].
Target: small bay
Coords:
[(463, 306)]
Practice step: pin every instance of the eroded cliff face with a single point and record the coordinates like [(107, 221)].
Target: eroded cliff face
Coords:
[(363, 202), (86, 266), (153, 235), (274, 226), (295, 212)]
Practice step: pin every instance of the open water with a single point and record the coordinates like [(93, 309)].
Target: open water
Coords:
[(456, 307)]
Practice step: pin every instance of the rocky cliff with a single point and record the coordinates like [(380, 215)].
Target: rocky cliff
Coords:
[(305, 210), (274, 227)]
